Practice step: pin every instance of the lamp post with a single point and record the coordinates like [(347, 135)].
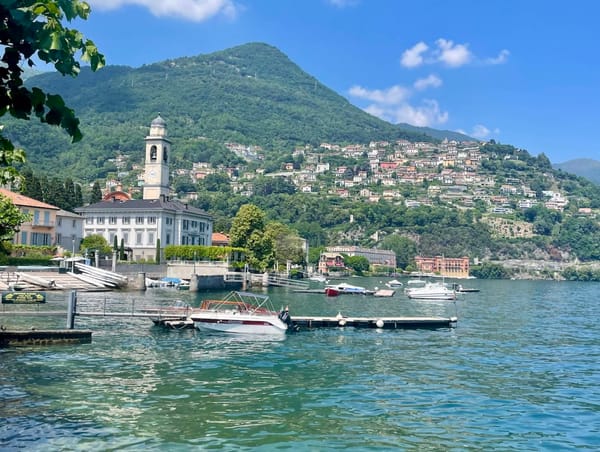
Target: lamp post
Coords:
[(73, 257)]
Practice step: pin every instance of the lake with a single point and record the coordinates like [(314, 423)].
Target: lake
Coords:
[(521, 371)]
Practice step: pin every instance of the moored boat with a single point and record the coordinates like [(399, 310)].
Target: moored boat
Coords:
[(241, 313), (345, 288), (393, 284), (431, 291)]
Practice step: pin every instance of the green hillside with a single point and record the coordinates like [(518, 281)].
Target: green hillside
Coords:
[(588, 168), (251, 94)]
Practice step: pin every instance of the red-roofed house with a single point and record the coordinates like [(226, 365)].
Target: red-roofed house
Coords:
[(40, 229), (219, 239)]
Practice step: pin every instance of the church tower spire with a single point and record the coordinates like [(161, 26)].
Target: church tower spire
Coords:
[(158, 153)]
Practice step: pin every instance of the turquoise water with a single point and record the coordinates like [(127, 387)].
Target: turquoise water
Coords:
[(520, 372)]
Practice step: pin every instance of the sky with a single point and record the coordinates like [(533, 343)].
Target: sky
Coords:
[(524, 73)]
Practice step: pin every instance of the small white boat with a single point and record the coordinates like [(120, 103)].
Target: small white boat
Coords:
[(431, 291), (241, 313), (318, 278), (393, 284)]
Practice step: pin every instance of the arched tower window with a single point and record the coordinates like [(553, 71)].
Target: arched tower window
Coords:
[(153, 153), (164, 154)]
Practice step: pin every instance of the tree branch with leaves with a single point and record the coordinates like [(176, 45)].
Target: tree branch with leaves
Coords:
[(34, 29)]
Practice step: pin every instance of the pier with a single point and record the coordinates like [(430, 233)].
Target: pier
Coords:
[(178, 317)]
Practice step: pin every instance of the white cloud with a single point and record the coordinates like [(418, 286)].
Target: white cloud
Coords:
[(413, 57), (392, 104), (481, 132), (430, 81), (448, 53), (343, 3), (193, 10), (426, 115), (500, 59), (451, 54), (391, 96)]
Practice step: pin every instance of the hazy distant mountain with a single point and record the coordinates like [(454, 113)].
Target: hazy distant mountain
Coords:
[(588, 168), (252, 94)]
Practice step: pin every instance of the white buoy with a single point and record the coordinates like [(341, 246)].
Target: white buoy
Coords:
[(379, 323), (342, 322)]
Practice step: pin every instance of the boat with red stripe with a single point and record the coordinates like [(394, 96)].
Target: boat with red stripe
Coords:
[(241, 313)]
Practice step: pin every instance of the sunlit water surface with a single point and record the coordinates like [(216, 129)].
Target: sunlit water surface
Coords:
[(521, 371)]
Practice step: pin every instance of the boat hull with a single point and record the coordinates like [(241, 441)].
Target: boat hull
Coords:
[(432, 296), (239, 324)]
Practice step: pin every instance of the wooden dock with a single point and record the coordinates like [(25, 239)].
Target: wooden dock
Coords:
[(44, 337), (372, 322)]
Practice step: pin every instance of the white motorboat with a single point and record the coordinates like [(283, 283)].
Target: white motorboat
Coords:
[(318, 278), (431, 291), (241, 313), (394, 284)]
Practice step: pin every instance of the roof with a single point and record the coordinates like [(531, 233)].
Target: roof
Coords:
[(174, 206), (158, 121), (20, 200), (67, 214), (218, 237)]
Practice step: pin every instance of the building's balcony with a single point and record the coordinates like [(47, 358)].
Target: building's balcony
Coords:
[(40, 224)]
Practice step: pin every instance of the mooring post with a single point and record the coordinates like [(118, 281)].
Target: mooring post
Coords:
[(72, 309)]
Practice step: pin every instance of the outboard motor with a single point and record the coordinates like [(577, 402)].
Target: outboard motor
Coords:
[(284, 316)]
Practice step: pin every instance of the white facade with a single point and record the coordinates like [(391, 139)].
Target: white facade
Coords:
[(69, 230), (141, 223)]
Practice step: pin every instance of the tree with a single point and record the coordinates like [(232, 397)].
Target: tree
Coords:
[(248, 231), (96, 242), (96, 195), (35, 28), (157, 252), (10, 218), (359, 264), (404, 248), (287, 244)]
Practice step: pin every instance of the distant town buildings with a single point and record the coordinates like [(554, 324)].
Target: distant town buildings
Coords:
[(451, 267)]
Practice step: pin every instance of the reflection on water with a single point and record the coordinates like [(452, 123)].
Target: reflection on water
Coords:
[(520, 371)]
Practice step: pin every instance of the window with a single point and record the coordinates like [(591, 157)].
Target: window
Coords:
[(36, 217), (59, 221), (138, 238), (100, 220), (168, 239), (185, 225), (74, 225), (150, 238), (89, 220), (151, 220), (112, 220), (169, 221), (23, 238), (153, 153), (47, 218), (194, 225), (125, 220), (139, 220), (125, 238)]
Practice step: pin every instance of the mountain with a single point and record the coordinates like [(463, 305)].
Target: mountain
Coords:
[(588, 168), (251, 94)]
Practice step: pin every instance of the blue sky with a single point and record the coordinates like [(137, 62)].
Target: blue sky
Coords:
[(525, 73)]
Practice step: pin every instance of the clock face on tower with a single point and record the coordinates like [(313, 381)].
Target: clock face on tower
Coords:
[(152, 174)]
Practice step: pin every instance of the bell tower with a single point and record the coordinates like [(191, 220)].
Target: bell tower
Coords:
[(158, 152)]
